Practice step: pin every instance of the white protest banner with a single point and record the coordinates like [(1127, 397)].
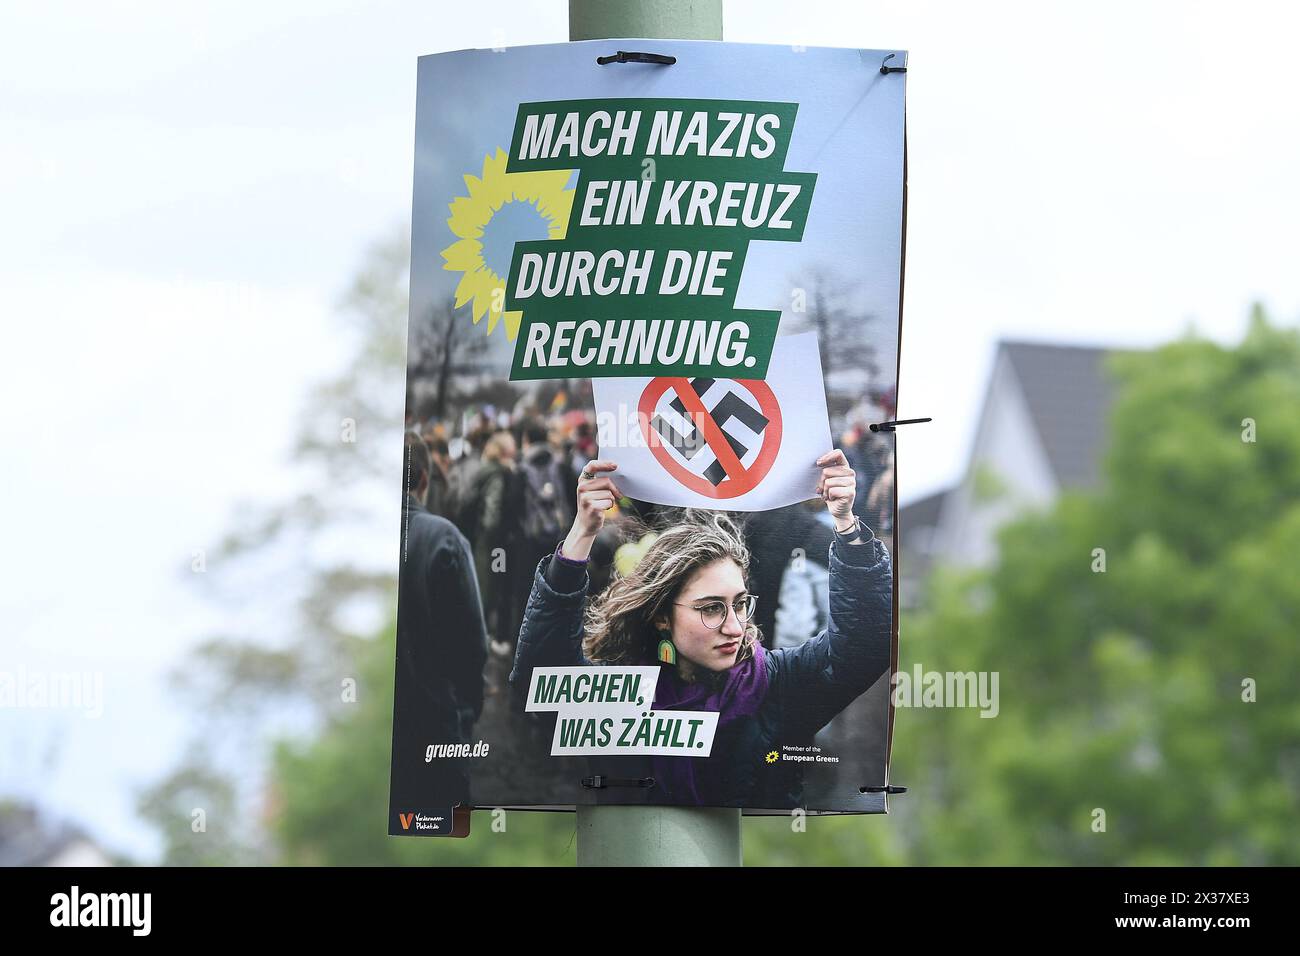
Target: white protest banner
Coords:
[(735, 444)]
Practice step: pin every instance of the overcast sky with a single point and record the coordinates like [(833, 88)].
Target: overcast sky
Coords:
[(185, 190)]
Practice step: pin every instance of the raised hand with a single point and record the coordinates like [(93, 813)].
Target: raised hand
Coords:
[(596, 495), (837, 487)]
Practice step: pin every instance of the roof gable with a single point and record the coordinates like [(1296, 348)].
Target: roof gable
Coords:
[(1068, 396)]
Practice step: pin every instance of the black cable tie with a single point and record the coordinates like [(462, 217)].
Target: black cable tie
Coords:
[(622, 56), (600, 782), (889, 426), (885, 789), (891, 69)]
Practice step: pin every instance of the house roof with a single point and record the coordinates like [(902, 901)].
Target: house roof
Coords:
[(27, 839), (1068, 396), (922, 513)]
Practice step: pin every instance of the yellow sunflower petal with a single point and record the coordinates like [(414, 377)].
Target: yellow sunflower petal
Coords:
[(463, 255), (467, 217), (467, 288), (561, 207), (512, 323), (496, 189)]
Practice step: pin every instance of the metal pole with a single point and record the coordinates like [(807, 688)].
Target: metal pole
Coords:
[(653, 836), (662, 19)]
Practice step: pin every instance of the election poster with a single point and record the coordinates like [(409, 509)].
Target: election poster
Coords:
[(647, 540)]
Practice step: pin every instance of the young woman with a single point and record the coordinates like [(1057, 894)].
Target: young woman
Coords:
[(687, 606)]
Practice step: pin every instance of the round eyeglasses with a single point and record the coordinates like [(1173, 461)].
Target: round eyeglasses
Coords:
[(714, 613)]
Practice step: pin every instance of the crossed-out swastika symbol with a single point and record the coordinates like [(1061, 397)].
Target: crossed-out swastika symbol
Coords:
[(727, 476), (724, 410)]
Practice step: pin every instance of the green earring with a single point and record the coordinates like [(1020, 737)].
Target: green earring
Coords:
[(667, 652)]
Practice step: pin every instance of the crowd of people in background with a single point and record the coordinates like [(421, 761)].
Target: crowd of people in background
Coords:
[(507, 483), (507, 480)]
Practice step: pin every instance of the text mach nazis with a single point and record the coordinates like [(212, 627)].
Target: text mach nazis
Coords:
[(669, 194)]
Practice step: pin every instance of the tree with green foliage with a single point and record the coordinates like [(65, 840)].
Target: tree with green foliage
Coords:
[(1144, 634)]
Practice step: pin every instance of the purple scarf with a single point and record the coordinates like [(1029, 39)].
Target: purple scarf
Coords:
[(739, 696)]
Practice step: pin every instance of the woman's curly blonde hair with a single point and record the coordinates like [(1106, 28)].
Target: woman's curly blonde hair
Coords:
[(620, 621)]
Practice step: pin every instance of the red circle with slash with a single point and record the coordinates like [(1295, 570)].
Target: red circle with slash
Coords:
[(739, 479)]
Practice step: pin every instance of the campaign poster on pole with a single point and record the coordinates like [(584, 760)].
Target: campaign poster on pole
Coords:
[(647, 538)]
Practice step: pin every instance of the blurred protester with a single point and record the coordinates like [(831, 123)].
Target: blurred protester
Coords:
[(771, 537), (544, 512), (462, 482), (583, 447), (545, 493), (493, 529), (441, 650), (439, 488), (880, 499), (866, 452)]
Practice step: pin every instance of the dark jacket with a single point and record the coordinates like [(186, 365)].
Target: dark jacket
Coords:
[(492, 532), (441, 651), (808, 685), (546, 511)]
